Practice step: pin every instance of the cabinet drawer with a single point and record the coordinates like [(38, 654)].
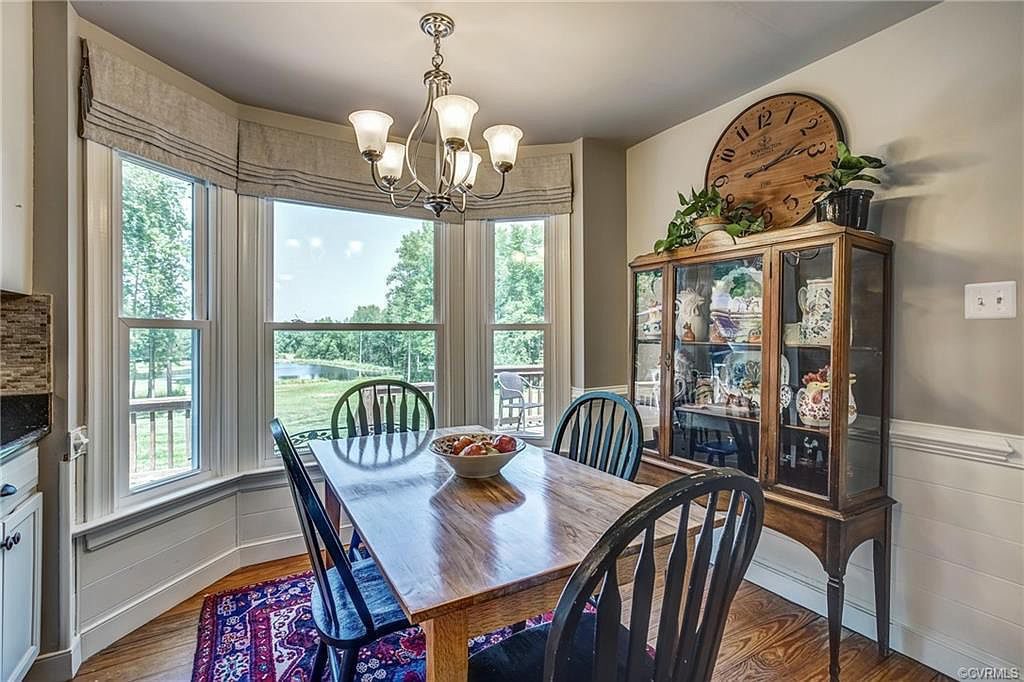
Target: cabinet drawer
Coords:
[(21, 472), (20, 584)]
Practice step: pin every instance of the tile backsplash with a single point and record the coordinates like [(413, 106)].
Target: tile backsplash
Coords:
[(25, 344)]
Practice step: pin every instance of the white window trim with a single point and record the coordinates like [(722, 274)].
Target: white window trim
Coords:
[(480, 325), (448, 394), (106, 487)]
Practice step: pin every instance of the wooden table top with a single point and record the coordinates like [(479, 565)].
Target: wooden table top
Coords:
[(444, 543)]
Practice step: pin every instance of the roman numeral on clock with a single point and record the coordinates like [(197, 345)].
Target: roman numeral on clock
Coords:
[(742, 133)]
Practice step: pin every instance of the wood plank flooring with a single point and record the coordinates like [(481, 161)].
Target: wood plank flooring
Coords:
[(766, 638)]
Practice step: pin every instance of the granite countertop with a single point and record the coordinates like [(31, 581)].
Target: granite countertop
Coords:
[(24, 419), (18, 444)]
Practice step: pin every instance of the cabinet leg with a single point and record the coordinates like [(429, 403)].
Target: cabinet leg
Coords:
[(836, 590), (882, 555)]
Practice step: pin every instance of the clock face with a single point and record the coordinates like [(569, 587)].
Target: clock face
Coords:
[(767, 153)]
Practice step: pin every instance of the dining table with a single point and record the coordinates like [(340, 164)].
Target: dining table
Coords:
[(465, 557)]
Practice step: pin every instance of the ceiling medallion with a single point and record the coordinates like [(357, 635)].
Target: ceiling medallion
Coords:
[(449, 117)]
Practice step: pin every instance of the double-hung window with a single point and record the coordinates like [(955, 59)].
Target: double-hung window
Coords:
[(162, 328), (352, 296)]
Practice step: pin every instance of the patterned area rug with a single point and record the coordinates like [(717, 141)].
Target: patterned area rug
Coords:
[(265, 633)]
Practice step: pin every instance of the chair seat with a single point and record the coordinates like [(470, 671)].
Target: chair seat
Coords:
[(380, 600), (520, 658)]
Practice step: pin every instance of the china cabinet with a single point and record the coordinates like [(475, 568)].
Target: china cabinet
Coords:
[(771, 354)]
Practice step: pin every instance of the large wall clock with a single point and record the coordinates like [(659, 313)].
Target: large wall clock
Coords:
[(767, 153)]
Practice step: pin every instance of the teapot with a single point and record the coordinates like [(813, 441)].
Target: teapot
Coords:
[(814, 404), (688, 314)]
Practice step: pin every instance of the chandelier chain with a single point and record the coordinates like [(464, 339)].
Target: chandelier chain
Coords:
[(438, 59)]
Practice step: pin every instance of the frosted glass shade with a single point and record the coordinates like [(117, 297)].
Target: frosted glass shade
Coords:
[(466, 164), (392, 162), (503, 143), (371, 132), (455, 117)]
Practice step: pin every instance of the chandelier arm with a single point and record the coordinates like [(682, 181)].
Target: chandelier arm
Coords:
[(488, 197), (460, 185), (461, 210), (421, 125), (407, 204)]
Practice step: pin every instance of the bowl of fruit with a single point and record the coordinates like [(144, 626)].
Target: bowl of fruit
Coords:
[(476, 455)]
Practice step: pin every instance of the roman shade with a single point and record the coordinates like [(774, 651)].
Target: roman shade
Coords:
[(273, 162), (125, 107)]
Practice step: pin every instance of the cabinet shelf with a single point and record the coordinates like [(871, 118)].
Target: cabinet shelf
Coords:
[(656, 342), (711, 411), (807, 429), (825, 346), (727, 344)]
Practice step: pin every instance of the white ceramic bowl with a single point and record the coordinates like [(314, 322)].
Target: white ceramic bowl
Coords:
[(481, 466)]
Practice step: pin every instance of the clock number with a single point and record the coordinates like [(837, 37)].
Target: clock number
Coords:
[(790, 114), (789, 198), (811, 125), (721, 181), (727, 154), (768, 216), (742, 133), (814, 150), (764, 119)]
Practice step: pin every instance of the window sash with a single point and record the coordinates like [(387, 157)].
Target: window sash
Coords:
[(444, 393), (124, 494)]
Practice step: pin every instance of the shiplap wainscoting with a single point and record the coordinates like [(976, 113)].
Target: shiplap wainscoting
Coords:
[(129, 574), (958, 552)]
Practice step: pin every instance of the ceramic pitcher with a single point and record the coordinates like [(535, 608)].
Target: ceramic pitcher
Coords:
[(688, 303), (815, 301)]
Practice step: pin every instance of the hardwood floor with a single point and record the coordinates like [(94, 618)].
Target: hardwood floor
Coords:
[(766, 638)]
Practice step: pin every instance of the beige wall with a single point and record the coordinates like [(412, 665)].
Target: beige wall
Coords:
[(940, 97)]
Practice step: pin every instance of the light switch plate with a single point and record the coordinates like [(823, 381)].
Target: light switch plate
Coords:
[(990, 300)]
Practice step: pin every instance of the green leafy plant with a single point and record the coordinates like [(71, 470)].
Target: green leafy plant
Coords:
[(846, 168), (740, 220)]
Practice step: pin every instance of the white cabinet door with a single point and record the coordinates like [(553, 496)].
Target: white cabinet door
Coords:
[(16, 146), (20, 584)]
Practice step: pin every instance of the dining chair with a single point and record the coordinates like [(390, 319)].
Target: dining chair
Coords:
[(381, 406), (512, 389), (604, 432), (586, 642), (352, 604), (394, 406)]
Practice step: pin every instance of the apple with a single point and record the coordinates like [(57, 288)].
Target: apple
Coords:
[(474, 450), (461, 444), (504, 443)]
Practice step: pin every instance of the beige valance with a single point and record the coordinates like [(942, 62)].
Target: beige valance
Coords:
[(127, 108), (274, 162)]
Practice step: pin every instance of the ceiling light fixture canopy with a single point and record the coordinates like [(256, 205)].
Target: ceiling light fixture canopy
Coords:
[(450, 118)]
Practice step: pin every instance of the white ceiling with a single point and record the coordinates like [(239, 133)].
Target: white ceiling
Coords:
[(617, 71)]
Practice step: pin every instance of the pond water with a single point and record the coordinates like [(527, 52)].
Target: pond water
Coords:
[(307, 370)]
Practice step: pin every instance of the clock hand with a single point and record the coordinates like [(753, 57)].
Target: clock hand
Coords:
[(792, 151)]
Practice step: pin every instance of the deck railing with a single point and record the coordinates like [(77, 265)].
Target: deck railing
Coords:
[(160, 434)]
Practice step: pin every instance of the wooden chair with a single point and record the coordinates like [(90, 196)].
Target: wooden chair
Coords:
[(599, 437), (352, 604), (381, 406), (394, 406), (582, 646)]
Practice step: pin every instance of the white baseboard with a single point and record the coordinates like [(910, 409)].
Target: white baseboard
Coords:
[(931, 648), (97, 636), (57, 666)]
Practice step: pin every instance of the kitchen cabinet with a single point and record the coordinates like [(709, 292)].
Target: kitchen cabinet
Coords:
[(16, 146)]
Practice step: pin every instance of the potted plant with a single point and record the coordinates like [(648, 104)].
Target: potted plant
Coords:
[(840, 204), (707, 211)]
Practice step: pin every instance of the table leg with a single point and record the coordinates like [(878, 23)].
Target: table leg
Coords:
[(332, 505), (447, 648)]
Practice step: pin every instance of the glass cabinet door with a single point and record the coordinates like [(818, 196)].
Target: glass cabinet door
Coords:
[(868, 280), (716, 342), (805, 415), (647, 366)]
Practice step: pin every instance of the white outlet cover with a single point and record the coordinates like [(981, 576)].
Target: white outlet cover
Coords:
[(990, 300)]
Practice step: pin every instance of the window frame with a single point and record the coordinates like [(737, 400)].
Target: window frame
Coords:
[(480, 304), (108, 487), (446, 394)]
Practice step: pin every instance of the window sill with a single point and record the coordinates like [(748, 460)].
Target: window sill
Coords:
[(100, 532)]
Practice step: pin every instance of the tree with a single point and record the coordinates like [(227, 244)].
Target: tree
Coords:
[(519, 292), (156, 262)]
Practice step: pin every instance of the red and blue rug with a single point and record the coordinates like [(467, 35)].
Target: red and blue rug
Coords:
[(265, 633)]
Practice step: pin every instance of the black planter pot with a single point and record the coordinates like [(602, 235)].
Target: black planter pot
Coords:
[(847, 207)]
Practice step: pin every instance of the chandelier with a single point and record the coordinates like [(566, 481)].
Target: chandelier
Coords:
[(448, 118)]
